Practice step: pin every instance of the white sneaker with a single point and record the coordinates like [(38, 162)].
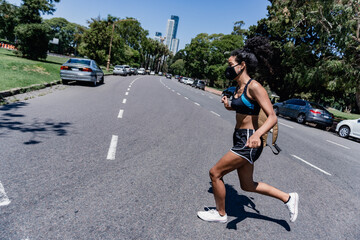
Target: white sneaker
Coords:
[(212, 216), (292, 205)]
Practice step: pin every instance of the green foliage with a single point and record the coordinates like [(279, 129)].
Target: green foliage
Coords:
[(66, 32), (30, 10), (33, 40), (316, 49), (178, 67), (8, 20), (206, 56), (96, 41)]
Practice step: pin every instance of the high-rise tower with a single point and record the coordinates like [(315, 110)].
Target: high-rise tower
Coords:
[(170, 39)]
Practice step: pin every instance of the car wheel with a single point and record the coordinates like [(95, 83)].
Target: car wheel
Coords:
[(301, 118), (344, 131), (276, 110), (102, 80), (65, 82)]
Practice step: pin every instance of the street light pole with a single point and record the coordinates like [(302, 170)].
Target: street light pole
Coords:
[(111, 39)]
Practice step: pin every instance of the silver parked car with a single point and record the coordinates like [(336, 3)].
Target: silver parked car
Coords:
[(78, 69), (119, 70), (347, 128), (304, 111)]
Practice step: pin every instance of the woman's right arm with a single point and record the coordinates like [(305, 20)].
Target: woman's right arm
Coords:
[(227, 105)]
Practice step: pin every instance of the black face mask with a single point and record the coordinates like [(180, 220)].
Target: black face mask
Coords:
[(230, 72)]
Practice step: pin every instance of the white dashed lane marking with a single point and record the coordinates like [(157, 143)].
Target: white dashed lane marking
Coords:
[(285, 125), (112, 148), (337, 144), (124, 101), (121, 113), (196, 103), (312, 165), (127, 93), (215, 113)]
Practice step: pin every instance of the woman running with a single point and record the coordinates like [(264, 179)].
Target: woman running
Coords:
[(248, 98)]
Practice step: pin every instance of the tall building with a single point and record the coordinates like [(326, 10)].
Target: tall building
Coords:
[(170, 39), (158, 37)]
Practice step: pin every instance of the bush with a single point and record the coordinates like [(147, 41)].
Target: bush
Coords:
[(33, 40)]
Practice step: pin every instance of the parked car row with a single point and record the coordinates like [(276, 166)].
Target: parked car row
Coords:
[(197, 83), (125, 70)]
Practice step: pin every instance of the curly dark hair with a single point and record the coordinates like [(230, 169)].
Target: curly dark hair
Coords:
[(257, 51)]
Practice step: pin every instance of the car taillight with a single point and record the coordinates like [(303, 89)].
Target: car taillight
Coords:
[(315, 112), (64, 68), (86, 69)]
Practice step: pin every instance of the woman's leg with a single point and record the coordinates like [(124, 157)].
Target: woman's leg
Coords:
[(247, 183), (226, 164)]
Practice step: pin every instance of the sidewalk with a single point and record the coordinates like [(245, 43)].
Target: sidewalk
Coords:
[(213, 90)]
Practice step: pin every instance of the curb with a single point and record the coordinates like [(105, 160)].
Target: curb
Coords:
[(212, 90), (14, 91)]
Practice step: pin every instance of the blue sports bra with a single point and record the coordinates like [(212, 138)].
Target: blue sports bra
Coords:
[(244, 104)]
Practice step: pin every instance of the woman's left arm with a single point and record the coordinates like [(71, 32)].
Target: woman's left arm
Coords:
[(258, 92)]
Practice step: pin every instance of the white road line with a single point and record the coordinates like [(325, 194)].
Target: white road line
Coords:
[(128, 89), (178, 94), (337, 144), (215, 113), (173, 90), (311, 165), (124, 101), (121, 112), (186, 98), (112, 148), (196, 103), (4, 200), (285, 125), (127, 93)]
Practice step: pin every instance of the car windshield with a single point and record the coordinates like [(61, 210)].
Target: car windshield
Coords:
[(317, 106), (201, 82), (118, 66), (81, 61)]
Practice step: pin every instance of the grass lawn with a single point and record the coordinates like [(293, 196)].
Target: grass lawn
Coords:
[(21, 72), (342, 116)]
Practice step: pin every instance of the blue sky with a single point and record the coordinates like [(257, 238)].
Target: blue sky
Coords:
[(196, 16)]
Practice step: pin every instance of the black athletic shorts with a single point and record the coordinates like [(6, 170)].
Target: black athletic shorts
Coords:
[(240, 138)]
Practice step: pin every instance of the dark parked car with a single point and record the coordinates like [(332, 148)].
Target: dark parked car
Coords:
[(168, 75), (229, 92), (78, 69), (199, 84), (304, 111)]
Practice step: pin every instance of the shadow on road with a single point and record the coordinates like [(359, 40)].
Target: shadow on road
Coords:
[(10, 121), (235, 207)]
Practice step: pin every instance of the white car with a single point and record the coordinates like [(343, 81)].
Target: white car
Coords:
[(141, 71), (348, 128), (152, 73)]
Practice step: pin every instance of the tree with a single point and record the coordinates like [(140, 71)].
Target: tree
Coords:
[(8, 20), (206, 56), (178, 67), (30, 10), (96, 41), (33, 40), (316, 49), (66, 32)]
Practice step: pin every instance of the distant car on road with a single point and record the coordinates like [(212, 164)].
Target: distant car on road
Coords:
[(304, 111), (152, 73), (160, 73), (78, 69), (199, 84), (347, 128), (119, 70), (168, 75), (229, 92), (141, 71)]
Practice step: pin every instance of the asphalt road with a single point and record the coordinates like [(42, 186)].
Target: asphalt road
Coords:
[(130, 159)]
